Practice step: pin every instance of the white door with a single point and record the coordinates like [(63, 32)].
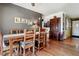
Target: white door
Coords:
[(75, 28)]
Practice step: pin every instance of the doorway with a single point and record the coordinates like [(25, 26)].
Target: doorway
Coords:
[(75, 28)]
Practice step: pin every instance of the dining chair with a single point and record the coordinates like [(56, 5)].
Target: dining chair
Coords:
[(40, 41), (17, 40), (20, 31), (29, 41), (14, 31), (6, 50)]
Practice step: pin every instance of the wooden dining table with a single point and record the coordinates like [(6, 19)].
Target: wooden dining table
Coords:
[(11, 40)]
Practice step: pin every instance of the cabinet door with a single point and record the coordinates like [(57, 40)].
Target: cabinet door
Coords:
[(54, 27)]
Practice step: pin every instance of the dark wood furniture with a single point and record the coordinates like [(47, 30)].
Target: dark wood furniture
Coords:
[(55, 28)]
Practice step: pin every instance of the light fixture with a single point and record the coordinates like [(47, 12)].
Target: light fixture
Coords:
[(33, 4)]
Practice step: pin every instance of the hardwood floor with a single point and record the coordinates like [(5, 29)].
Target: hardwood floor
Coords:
[(67, 47)]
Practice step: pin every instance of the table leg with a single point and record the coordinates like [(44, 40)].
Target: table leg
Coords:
[(34, 48), (45, 40), (10, 46)]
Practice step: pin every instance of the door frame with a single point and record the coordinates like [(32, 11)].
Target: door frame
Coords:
[(73, 19)]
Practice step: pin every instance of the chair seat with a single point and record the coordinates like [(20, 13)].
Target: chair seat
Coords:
[(26, 44), (6, 50)]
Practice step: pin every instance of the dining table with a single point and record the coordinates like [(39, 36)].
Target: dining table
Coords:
[(10, 36)]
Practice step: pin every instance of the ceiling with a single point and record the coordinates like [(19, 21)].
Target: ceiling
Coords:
[(72, 9)]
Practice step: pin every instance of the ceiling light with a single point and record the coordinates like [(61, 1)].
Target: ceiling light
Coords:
[(33, 4)]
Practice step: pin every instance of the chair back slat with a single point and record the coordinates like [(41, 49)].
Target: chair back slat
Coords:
[(13, 31), (21, 31), (41, 34), (29, 35)]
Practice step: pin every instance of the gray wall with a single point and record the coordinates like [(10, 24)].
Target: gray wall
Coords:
[(7, 14)]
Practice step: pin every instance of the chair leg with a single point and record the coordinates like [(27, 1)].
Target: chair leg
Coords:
[(43, 44), (20, 51), (29, 49), (33, 50), (15, 51), (38, 46), (24, 52)]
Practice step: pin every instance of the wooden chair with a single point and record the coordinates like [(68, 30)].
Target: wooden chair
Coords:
[(40, 41), (13, 47), (20, 31), (17, 40), (22, 38), (6, 50), (14, 31), (29, 41)]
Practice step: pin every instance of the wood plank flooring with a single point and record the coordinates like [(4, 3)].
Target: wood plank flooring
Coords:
[(67, 47)]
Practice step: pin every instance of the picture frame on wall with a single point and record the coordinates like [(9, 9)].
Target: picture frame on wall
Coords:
[(23, 21)]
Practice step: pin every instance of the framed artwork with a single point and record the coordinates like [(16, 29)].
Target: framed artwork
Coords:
[(23, 20)]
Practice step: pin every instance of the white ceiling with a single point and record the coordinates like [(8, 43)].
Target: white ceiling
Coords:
[(72, 9)]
